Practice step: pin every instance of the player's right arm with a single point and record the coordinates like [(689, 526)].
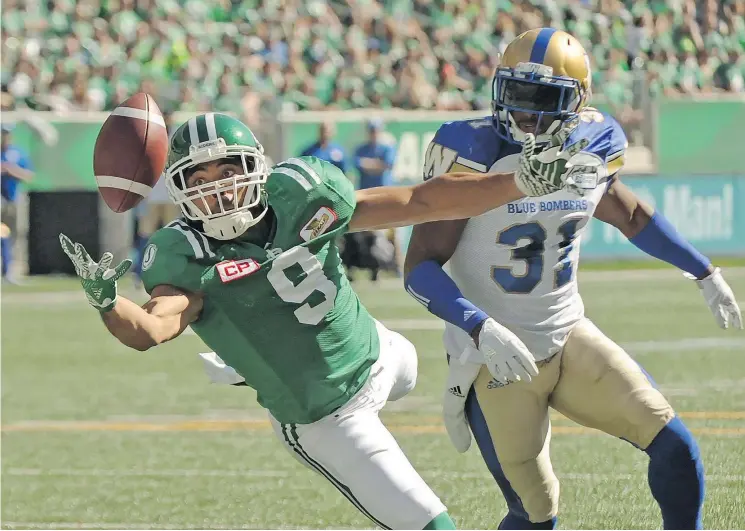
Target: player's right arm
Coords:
[(430, 247), (168, 312), (450, 196), (465, 194), (164, 317)]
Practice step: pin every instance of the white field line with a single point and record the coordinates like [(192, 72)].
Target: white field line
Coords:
[(388, 284), (598, 276), (87, 525), (686, 344), (271, 473), (717, 344), (109, 525)]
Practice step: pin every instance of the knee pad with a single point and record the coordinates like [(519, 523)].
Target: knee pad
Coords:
[(402, 354), (404, 384), (676, 476), (675, 444)]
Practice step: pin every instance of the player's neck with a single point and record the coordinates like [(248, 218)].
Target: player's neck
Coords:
[(263, 232)]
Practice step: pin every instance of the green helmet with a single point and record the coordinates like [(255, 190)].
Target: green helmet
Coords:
[(210, 137)]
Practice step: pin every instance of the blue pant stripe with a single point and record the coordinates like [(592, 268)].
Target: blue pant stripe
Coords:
[(483, 438)]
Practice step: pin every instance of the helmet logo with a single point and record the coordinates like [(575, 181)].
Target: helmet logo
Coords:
[(219, 143)]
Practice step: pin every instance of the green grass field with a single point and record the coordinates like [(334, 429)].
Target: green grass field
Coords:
[(95, 435)]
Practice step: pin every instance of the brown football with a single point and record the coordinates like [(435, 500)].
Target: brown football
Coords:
[(130, 153)]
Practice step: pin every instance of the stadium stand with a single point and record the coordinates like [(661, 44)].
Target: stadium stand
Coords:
[(424, 54)]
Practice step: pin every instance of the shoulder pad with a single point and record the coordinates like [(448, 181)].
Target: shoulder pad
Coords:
[(475, 142), (312, 200), (173, 256), (178, 238), (607, 139)]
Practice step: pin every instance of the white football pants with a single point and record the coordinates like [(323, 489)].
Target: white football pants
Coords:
[(354, 451)]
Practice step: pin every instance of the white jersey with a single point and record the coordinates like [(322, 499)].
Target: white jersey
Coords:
[(518, 262)]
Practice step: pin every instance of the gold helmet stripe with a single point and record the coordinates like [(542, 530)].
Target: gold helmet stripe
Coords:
[(538, 53)]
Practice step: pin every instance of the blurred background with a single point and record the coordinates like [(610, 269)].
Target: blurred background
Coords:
[(95, 435), (671, 71)]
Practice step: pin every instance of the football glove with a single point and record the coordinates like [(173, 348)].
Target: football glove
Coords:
[(543, 171), (506, 357), (721, 300), (97, 278)]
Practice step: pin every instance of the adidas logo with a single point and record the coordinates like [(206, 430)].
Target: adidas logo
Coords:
[(456, 391), (468, 314), (494, 384)]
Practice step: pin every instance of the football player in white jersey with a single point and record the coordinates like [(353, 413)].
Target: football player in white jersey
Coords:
[(520, 295)]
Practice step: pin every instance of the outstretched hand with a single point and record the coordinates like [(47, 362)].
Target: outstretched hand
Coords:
[(97, 278)]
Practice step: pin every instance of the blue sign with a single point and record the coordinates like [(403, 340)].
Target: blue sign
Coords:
[(701, 208)]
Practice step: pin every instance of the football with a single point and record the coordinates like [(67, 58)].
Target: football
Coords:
[(130, 152)]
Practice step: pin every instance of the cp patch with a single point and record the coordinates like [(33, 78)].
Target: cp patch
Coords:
[(234, 269)]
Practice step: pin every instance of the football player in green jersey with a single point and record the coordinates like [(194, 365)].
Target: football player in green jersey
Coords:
[(253, 268)]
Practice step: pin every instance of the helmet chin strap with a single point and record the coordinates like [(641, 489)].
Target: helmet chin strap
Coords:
[(231, 226)]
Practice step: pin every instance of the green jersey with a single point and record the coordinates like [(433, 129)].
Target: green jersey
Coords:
[(283, 315)]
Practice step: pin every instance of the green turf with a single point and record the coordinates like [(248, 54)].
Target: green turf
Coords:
[(60, 365)]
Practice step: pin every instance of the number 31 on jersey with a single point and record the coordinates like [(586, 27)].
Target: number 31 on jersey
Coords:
[(532, 255)]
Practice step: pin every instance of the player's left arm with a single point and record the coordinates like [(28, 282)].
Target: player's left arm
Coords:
[(651, 232), (450, 196)]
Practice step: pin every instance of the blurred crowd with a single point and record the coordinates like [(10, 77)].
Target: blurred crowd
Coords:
[(317, 54)]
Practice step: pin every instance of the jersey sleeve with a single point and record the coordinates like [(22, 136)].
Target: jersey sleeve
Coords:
[(439, 157), (170, 257), (607, 139), (463, 146), (312, 199)]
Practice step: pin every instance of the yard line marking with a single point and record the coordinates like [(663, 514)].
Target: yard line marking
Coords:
[(273, 473), (397, 284), (613, 276), (206, 425), (105, 525), (84, 525), (98, 472), (685, 344), (729, 415), (721, 344)]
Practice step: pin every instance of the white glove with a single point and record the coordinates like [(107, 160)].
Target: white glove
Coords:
[(544, 171), (721, 300), (460, 379), (97, 278), (506, 357), (218, 371)]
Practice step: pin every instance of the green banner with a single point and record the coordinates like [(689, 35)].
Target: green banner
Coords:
[(694, 137), (66, 165), (411, 136), (63, 156), (700, 137)]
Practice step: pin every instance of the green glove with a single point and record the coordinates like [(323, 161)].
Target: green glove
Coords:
[(97, 278), (543, 171)]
